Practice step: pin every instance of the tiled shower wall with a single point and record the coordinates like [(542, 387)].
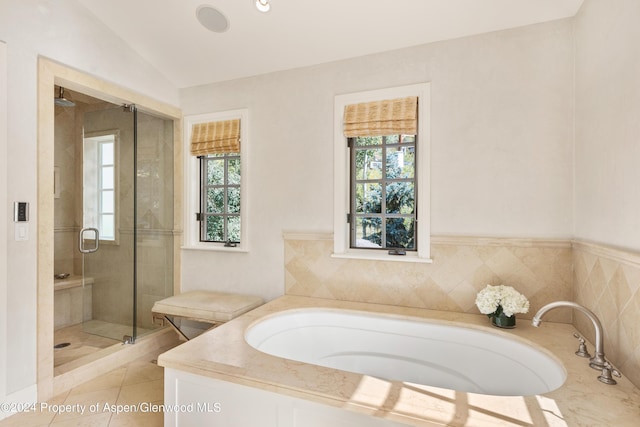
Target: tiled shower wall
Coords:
[(604, 280)]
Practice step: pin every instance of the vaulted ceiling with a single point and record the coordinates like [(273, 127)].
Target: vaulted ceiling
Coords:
[(298, 33)]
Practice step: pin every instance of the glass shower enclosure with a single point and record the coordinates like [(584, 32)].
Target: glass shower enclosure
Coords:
[(125, 239)]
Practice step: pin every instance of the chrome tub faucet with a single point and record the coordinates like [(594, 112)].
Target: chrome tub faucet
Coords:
[(597, 361)]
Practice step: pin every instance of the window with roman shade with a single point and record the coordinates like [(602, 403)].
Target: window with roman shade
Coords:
[(381, 174), (382, 142), (217, 146)]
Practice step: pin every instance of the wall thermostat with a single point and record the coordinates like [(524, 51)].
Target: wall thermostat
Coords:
[(20, 212)]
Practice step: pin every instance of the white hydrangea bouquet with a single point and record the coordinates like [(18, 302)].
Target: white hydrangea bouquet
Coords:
[(495, 301)]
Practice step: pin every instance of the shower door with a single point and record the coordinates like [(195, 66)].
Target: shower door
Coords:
[(107, 238), (127, 237)]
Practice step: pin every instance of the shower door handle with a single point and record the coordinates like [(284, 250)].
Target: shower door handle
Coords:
[(96, 240)]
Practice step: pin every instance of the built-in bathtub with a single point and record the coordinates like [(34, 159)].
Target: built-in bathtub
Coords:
[(72, 300), (218, 378), (409, 350)]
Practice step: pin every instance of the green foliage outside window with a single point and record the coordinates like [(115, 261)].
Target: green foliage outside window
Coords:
[(384, 192), (221, 198)]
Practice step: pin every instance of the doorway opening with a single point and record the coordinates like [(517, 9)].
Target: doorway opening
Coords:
[(135, 196)]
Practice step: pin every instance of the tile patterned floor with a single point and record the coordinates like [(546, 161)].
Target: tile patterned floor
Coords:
[(138, 383)]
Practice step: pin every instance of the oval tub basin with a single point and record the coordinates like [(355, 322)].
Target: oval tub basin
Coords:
[(414, 351)]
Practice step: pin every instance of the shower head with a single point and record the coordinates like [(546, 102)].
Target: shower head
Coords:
[(62, 101)]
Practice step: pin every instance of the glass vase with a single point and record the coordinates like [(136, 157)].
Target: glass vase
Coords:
[(503, 321)]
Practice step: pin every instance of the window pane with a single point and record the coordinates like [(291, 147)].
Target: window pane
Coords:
[(400, 198), (233, 228), (215, 200), (368, 198), (400, 162), (107, 177), (108, 227), (215, 171), (234, 172), (106, 153), (369, 163), (391, 139), (107, 205), (409, 139), (368, 232), (214, 229), (233, 200), (361, 141), (220, 192), (400, 233)]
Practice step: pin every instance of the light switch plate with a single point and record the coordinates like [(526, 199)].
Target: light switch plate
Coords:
[(22, 232)]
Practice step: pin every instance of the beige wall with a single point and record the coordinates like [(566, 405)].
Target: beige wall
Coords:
[(607, 81), (607, 194), (501, 144)]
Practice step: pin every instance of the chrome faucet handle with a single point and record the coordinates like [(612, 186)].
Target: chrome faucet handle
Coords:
[(607, 372), (582, 346)]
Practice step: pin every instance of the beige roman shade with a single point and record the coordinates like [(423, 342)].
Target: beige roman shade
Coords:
[(215, 137), (389, 117)]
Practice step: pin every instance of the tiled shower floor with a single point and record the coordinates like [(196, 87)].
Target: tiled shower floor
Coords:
[(82, 343)]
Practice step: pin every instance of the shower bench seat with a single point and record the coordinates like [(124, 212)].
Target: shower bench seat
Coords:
[(209, 307)]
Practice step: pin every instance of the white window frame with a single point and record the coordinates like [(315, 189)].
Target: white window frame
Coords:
[(192, 183), (341, 184)]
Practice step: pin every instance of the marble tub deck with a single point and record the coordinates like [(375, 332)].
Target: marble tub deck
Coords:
[(223, 354)]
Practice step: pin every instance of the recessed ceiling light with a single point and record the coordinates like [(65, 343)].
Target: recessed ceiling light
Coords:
[(212, 19), (263, 5)]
